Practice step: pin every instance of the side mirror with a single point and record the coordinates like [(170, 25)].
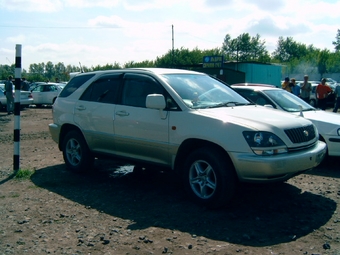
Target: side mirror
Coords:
[(268, 106), (155, 101)]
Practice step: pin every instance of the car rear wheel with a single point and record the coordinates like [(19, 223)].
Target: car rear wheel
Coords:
[(76, 153), (209, 179)]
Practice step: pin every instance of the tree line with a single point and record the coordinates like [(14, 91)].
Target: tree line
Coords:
[(296, 57)]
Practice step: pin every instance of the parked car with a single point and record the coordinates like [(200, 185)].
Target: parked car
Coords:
[(328, 123), (332, 83), (45, 93), (184, 121), (26, 98)]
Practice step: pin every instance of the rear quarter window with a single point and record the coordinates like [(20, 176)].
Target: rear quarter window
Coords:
[(74, 84)]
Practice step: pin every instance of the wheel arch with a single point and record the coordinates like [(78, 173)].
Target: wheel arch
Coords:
[(64, 130), (190, 145)]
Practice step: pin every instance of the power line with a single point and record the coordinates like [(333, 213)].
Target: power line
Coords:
[(51, 27)]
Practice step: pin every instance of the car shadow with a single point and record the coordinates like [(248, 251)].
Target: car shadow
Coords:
[(260, 215), (328, 168)]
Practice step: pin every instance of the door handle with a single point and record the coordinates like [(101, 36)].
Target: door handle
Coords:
[(81, 107), (122, 113)]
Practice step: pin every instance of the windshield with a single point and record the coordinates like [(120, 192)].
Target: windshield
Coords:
[(202, 91), (288, 101)]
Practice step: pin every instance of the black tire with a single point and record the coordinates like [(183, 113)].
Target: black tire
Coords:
[(76, 153), (209, 178)]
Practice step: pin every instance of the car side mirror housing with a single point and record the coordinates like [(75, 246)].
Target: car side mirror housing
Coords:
[(155, 101), (269, 106)]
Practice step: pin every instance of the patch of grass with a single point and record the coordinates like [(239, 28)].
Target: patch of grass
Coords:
[(24, 174)]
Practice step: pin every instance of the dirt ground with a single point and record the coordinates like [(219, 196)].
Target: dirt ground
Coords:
[(111, 211)]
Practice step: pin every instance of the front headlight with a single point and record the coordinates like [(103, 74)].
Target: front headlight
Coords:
[(264, 143), (338, 131)]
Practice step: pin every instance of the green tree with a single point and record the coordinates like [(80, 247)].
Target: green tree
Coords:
[(145, 63), (333, 63), (6, 70), (60, 71), (322, 61), (287, 50), (245, 48), (49, 70), (336, 43)]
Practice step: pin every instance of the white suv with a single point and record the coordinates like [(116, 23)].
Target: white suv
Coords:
[(184, 121)]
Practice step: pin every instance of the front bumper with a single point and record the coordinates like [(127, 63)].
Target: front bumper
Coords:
[(254, 168), (54, 131), (333, 145)]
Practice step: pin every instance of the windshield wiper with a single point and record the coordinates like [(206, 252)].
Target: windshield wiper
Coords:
[(228, 104)]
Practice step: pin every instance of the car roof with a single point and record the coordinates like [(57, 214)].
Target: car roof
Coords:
[(254, 86), (157, 71), (47, 83)]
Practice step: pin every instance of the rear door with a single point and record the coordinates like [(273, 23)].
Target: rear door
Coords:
[(95, 111)]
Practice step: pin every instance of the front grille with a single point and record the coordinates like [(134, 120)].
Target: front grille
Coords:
[(301, 135)]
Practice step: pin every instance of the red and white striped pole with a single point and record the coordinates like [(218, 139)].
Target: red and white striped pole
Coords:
[(16, 156)]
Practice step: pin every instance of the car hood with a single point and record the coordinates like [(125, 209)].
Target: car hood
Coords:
[(326, 122), (257, 117)]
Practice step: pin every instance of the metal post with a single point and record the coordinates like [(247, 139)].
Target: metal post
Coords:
[(16, 156)]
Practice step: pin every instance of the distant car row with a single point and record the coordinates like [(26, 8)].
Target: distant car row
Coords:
[(26, 98), (39, 94)]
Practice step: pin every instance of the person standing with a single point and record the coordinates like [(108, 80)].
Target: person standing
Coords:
[(9, 95), (285, 85), (337, 101), (25, 85), (295, 88), (306, 88), (322, 91)]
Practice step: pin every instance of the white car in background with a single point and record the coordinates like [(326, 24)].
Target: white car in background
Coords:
[(328, 123), (45, 93), (26, 98)]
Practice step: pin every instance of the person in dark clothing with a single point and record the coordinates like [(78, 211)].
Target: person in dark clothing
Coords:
[(9, 95), (24, 85)]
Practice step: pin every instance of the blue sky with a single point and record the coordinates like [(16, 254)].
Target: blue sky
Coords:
[(99, 32)]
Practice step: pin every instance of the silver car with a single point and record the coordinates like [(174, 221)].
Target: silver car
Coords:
[(182, 121), (26, 98), (45, 93)]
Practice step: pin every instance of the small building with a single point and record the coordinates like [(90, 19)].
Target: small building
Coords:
[(241, 72)]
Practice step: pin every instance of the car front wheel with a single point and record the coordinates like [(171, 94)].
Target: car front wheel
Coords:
[(76, 153), (209, 178)]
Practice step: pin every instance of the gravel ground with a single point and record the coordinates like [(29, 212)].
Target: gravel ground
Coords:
[(111, 211)]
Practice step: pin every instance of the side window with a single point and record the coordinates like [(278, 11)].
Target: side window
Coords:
[(103, 90), (47, 88), (136, 88), (37, 89), (74, 84)]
